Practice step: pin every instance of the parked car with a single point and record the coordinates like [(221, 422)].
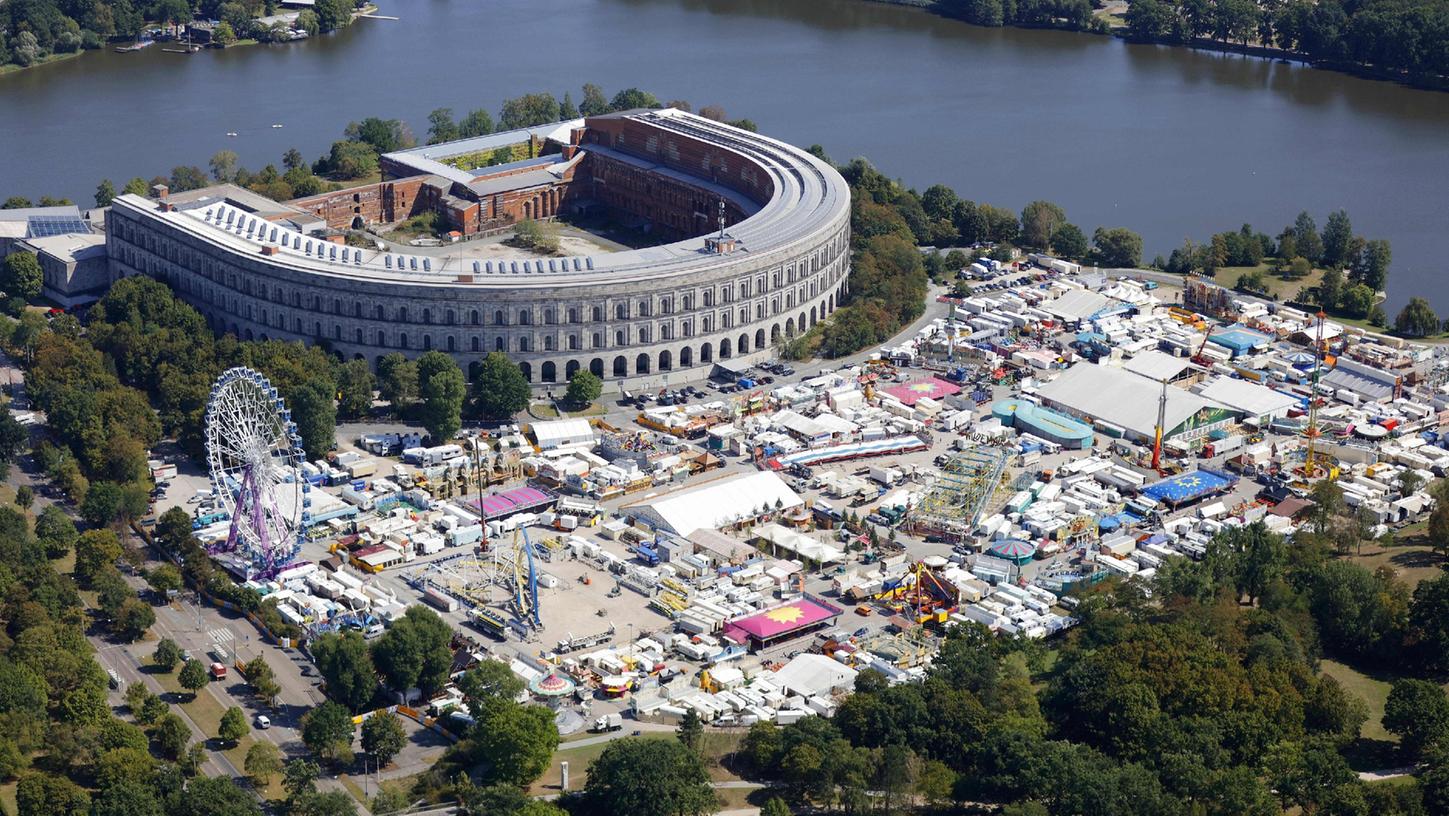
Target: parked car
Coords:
[(263, 721)]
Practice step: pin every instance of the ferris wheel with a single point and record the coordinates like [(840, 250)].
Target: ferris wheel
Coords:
[(255, 456)]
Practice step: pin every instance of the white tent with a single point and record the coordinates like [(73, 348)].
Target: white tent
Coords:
[(717, 504)]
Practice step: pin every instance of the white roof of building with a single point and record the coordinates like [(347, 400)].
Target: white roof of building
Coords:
[(814, 675), (1248, 397), (1078, 304), (1156, 365), (799, 543), (718, 503), (70, 247), (1114, 395), (560, 431)]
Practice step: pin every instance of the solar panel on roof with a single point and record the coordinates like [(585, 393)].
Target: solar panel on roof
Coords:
[(44, 226)]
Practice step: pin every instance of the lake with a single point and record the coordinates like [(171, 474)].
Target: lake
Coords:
[(1170, 142)]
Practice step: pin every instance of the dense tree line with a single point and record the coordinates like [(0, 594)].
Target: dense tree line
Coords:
[(1076, 15), (1203, 698), (66, 751), (32, 30), (1355, 269), (1403, 36)]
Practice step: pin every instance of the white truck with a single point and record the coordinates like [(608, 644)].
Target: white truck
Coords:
[(608, 722)]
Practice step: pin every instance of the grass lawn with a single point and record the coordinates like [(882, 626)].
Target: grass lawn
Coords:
[(1375, 749), (1372, 691), (7, 797), (1411, 558), (1285, 289), (578, 758), (542, 410), (206, 710)]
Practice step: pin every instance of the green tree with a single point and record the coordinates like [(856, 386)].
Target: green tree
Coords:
[(690, 731), (355, 385), (441, 127), (263, 761), (167, 655), (224, 165), (488, 685), (105, 193), (594, 102), (528, 110), (500, 390), (631, 98), (334, 14), (315, 414), (172, 736), (44, 794), (224, 34), (1418, 712), (55, 531), (21, 275), (1306, 238), (1417, 319), (775, 806), (383, 737), (1337, 237), (349, 159), (649, 778), (128, 798), (517, 742), (1429, 621), (1330, 287), (476, 123), (1357, 300), (397, 379), (443, 389), (132, 619), (193, 677), (1117, 247), (327, 731), (233, 726), (1069, 242), (95, 551), (1039, 222), (216, 796), (1434, 780), (24, 497), (345, 664), (164, 579), (584, 388), (1371, 267), (101, 506), (414, 651)]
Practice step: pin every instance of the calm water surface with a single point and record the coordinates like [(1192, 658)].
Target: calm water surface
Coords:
[(1169, 142)]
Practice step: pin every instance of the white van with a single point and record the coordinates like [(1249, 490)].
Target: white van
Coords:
[(263, 721)]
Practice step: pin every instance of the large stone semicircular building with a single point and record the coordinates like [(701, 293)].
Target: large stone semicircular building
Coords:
[(762, 251)]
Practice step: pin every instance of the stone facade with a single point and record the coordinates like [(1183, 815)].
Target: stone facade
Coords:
[(634, 316)]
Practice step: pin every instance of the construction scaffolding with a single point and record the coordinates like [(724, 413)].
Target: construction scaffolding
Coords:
[(954, 503)]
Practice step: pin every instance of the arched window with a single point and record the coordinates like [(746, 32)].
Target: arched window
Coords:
[(598, 313), (548, 343), (498, 318), (524, 318)]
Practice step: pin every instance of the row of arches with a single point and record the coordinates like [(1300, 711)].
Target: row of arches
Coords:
[(620, 366)]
